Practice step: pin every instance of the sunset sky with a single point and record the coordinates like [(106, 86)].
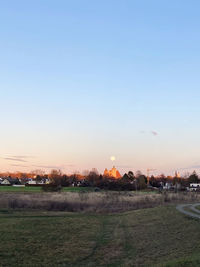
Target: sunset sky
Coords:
[(81, 81)]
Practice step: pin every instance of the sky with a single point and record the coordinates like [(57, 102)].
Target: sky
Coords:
[(81, 81)]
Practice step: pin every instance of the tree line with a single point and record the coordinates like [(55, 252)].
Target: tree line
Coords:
[(129, 181)]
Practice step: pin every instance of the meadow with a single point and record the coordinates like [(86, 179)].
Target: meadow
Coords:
[(97, 229), (159, 236), (33, 189)]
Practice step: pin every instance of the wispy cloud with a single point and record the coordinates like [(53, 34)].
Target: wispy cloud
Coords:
[(19, 158), (154, 133), (23, 157), (15, 159), (151, 132)]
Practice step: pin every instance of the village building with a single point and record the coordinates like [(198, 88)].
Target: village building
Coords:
[(177, 174), (5, 182), (112, 173)]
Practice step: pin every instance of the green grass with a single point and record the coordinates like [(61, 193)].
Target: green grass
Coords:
[(150, 237), (34, 189), (20, 189)]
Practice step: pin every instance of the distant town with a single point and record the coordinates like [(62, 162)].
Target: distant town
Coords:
[(110, 179)]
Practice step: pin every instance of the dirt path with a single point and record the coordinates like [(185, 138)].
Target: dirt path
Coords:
[(189, 210)]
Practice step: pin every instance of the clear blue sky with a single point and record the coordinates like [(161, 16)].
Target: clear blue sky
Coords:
[(85, 80)]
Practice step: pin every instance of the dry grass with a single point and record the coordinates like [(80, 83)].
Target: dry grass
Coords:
[(93, 201)]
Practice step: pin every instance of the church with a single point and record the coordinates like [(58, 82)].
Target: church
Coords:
[(112, 173)]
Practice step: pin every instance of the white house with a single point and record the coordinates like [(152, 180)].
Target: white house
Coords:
[(194, 187), (168, 186), (31, 182), (5, 182)]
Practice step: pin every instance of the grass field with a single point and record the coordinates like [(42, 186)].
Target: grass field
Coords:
[(158, 236), (34, 189)]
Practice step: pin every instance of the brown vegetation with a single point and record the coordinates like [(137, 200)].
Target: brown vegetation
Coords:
[(93, 201)]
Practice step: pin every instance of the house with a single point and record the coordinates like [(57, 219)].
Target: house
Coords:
[(31, 182), (167, 186), (194, 187), (5, 182), (14, 181)]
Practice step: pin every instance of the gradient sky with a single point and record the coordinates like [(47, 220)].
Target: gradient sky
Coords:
[(81, 81)]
